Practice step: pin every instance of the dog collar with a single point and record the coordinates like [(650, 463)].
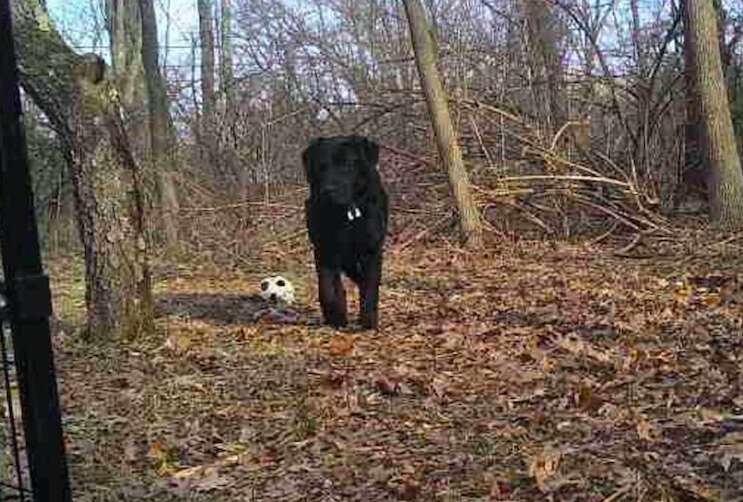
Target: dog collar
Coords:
[(353, 213)]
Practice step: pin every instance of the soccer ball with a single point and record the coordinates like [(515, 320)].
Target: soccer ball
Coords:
[(277, 289)]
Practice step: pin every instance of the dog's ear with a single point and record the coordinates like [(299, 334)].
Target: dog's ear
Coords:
[(370, 148), (307, 157)]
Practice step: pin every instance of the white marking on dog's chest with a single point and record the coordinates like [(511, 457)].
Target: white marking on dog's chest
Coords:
[(353, 213)]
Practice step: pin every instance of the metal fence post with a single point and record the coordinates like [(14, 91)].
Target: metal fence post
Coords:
[(28, 290)]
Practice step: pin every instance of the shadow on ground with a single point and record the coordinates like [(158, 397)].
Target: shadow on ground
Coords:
[(226, 308)]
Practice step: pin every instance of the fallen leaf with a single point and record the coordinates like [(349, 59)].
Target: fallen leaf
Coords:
[(544, 466), (587, 400), (730, 449), (646, 431), (130, 450), (386, 386), (341, 346)]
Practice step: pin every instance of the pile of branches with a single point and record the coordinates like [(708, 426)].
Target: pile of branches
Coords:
[(556, 183)]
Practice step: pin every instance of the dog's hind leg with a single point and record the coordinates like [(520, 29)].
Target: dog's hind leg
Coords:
[(340, 298), (332, 297), (371, 275)]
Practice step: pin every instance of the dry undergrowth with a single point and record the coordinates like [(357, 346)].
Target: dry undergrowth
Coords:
[(528, 374)]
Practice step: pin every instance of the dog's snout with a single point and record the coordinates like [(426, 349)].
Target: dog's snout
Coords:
[(273, 297)]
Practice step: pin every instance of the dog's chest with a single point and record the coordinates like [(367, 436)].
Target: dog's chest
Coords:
[(344, 230)]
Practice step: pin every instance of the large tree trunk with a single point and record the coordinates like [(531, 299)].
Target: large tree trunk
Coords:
[(725, 181), (162, 141), (438, 107), (695, 170), (82, 105)]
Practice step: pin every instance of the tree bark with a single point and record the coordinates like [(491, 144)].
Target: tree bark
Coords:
[(695, 171), (83, 105), (546, 66), (226, 49), (125, 32), (725, 182), (206, 37), (446, 139), (161, 139)]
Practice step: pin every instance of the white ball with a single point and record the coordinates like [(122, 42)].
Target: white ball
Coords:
[(322, 115), (277, 289)]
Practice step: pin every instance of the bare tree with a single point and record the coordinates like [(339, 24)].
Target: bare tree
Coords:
[(125, 31), (206, 39), (82, 104), (438, 107), (725, 183), (161, 140), (225, 61), (545, 64)]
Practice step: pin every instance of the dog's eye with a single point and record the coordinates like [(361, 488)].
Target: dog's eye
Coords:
[(280, 283), (264, 285)]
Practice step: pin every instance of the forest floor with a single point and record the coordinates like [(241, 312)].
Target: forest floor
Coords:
[(535, 372)]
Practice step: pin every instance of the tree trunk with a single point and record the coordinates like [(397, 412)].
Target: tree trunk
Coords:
[(125, 32), (695, 171), (438, 107), (226, 50), (636, 40), (725, 182), (541, 29), (83, 106), (206, 37), (162, 141)]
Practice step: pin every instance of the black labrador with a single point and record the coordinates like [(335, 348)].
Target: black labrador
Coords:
[(347, 213)]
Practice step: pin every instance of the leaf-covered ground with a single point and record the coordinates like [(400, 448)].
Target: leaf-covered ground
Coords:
[(531, 373)]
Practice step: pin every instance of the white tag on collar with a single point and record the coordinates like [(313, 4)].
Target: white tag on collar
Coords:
[(353, 213)]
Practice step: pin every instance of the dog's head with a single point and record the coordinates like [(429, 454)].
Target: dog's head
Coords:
[(340, 169)]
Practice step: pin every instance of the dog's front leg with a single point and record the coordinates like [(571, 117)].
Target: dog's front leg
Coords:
[(332, 297), (371, 273)]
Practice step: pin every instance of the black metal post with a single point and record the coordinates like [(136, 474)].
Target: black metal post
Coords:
[(28, 290)]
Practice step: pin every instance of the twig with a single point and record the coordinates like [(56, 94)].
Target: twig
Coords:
[(408, 155), (239, 205), (438, 224), (567, 177), (632, 245), (606, 234)]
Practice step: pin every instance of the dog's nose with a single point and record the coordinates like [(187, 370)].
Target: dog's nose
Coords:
[(273, 297)]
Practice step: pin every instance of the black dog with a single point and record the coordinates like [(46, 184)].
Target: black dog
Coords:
[(347, 214)]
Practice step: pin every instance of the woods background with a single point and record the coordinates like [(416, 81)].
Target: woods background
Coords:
[(573, 116)]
